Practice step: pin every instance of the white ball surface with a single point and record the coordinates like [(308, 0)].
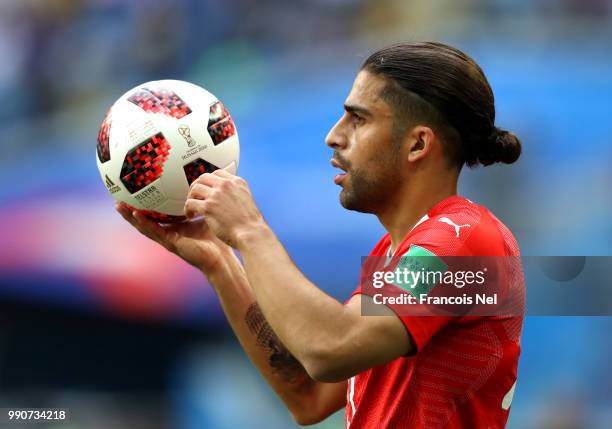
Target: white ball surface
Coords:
[(157, 138)]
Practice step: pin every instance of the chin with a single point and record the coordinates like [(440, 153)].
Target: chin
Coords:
[(350, 202), (345, 199)]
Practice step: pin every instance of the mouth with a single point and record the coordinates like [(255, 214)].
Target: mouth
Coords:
[(338, 178)]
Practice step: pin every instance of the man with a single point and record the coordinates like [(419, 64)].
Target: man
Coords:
[(416, 114)]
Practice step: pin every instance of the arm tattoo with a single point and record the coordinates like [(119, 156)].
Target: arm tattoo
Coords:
[(280, 359)]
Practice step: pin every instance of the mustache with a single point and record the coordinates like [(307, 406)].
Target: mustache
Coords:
[(341, 160)]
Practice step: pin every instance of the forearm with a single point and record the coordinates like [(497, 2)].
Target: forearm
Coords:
[(284, 373), (309, 322)]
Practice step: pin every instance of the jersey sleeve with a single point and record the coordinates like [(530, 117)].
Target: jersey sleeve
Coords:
[(433, 239), (438, 239)]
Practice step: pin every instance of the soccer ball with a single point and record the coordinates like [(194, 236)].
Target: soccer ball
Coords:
[(157, 138)]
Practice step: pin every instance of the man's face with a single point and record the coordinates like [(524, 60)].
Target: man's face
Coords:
[(366, 148)]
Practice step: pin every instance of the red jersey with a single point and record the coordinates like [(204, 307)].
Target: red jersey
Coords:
[(464, 370)]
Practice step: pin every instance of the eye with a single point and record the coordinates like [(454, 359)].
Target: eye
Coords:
[(357, 120)]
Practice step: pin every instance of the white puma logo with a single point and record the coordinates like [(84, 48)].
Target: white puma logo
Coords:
[(453, 224)]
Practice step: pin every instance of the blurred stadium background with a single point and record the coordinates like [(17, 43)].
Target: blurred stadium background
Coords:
[(96, 319)]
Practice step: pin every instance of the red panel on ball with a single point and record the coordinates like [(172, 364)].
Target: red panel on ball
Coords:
[(160, 100), (194, 169), (103, 139), (162, 217), (144, 164), (220, 123)]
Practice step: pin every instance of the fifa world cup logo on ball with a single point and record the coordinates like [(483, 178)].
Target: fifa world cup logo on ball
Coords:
[(186, 133)]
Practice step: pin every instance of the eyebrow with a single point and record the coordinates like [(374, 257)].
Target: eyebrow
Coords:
[(353, 108)]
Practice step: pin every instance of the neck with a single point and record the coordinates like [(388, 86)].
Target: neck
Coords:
[(402, 214)]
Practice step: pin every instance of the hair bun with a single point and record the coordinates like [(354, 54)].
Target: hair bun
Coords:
[(501, 146)]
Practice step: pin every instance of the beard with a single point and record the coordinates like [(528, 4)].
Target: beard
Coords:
[(368, 192), (372, 187)]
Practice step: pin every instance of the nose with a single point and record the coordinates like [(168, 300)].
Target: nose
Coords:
[(336, 139)]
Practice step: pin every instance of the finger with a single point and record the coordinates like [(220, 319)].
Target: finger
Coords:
[(185, 228), (200, 191), (148, 227), (227, 176), (223, 173), (207, 179), (195, 208), (124, 210), (127, 212), (138, 220)]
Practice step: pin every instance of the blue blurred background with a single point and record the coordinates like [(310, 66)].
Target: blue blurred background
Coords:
[(97, 319)]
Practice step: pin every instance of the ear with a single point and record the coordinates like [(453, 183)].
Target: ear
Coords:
[(420, 142)]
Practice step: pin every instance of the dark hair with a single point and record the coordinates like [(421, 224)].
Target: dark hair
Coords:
[(443, 87)]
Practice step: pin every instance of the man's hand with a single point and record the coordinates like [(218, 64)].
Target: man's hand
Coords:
[(229, 210), (192, 241), (226, 203)]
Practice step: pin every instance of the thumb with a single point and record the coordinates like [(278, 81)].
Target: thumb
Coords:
[(144, 225), (150, 228)]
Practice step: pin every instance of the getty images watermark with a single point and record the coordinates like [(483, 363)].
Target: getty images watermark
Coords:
[(410, 280), (420, 283)]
